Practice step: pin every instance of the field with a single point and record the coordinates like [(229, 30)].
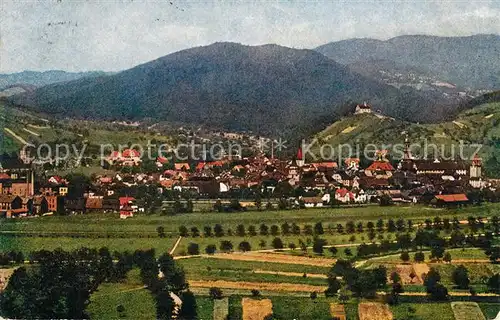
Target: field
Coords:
[(423, 311), (137, 302), (286, 278), (467, 310), (374, 311), (254, 309)]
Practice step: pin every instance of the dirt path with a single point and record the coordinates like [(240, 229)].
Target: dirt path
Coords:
[(31, 132), (175, 245), (12, 133), (274, 257), (291, 274), (265, 286)]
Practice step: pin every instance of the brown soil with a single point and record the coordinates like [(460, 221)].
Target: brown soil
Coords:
[(421, 269), (374, 311), (275, 257), (291, 274), (256, 309), (337, 311), (264, 286)]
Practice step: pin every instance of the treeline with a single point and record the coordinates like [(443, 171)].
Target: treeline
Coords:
[(351, 227), (58, 284)]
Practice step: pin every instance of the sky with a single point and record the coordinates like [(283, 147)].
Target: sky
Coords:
[(114, 35)]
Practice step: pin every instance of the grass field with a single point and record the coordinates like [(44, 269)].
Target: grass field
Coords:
[(204, 307), (30, 244), (138, 302), (490, 310), (328, 216), (423, 311)]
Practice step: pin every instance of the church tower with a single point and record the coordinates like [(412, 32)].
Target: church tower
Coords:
[(476, 166)]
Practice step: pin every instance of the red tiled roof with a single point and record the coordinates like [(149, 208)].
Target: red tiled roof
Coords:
[(4, 176), (452, 197), (200, 166), (125, 200), (380, 165), (180, 166), (162, 160), (325, 165), (131, 153)]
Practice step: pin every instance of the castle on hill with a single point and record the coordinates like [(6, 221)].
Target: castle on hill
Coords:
[(363, 108)]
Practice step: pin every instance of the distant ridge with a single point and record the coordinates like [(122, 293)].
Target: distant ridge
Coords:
[(265, 89), (471, 61)]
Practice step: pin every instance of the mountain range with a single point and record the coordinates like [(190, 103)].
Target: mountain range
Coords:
[(264, 89), (472, 61), (40, 79), (271, 89)]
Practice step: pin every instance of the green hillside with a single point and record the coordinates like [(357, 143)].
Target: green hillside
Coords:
[(18, 127), (480, 125)]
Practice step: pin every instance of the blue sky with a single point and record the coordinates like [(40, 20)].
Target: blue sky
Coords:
[(114, 35)]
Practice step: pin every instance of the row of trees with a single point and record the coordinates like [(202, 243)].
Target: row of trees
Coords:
[(350, 227)]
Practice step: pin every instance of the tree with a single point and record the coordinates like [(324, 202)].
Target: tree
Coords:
[(215, 293), (195, 232), (494, 283), (313, 295), (431, 279), (380, 225), (275, 230), (318, 245), (240, 230), (285, 229), (210, 249), (333, 251), (218, 231), (244, 246), (318, 228), (262, 244), (460, 277), (405, 257), (252, 230), (439, 293), (295, 229), (447, 257), (350, 227), (437, 252), (292, 246), (189, 308), (193, 249), (395, 278), (277, 243), (308, 230), (183, 231), (207, 231), (419, 257), (173, 273), (348, 252), (263, 230), (226, 246), (391, 226), (164, 305), (161, 231), (255, 293)]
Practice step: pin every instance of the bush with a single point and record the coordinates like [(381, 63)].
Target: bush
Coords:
[(244, 246), (277, 243), (419, 257), (215, 293), (193, 249), (226, 246), (405, 257), (210, 249), (460, 277), (255, 293), (183, 231)]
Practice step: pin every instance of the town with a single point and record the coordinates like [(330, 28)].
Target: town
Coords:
[(253, 180)]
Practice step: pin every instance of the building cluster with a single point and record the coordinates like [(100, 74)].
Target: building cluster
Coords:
[(445, 182)]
